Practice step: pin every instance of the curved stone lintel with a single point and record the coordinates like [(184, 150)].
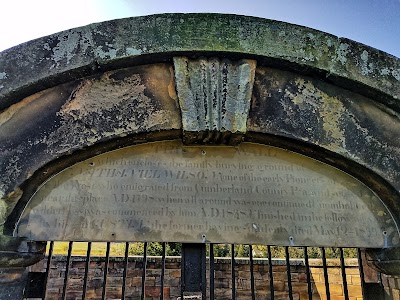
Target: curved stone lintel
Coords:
[(18, 252), (386, 261), (64, 56)]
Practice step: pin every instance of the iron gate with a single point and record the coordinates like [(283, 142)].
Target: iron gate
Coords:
[(199, 278)]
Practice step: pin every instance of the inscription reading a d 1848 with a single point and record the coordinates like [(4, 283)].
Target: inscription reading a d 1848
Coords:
[(167, 192)]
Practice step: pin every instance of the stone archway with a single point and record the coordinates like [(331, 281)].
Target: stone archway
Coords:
[(203, 79)]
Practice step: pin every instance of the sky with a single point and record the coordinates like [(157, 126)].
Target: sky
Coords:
[(372, 22)]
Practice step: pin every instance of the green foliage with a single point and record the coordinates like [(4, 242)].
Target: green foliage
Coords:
[(259, 251), (242, 250), (173, 249), (155, 249), (298, 252), (222, 250), (347, 252), (136, 249)]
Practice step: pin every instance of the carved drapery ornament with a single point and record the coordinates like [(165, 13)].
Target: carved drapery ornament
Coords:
[(214, 96)]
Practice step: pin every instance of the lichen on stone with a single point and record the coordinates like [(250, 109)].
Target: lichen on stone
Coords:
[(366, 66), (109, 53), (7, 203), (69, 43), (132, 51), (342, 53), (328, 108), (396, 74)]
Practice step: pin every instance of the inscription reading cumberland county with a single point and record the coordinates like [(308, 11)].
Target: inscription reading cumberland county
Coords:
[(166, 192)]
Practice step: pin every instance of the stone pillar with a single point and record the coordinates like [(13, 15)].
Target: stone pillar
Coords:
[(13, 282), (387, 262), (15, 255)]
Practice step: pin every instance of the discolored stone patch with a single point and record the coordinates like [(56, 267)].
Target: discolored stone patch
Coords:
[(66, 118)]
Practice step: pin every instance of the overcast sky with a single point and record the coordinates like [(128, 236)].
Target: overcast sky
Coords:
[(372, 22)]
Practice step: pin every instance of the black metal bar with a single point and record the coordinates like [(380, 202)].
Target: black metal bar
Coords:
[(253, 293), (182, 282), (271, 275), (64, 292), (182, 271), (103, 292), (326, 279), (144, 271), (361, 269), (194, 268), (309, 288), (289, 276), (343, 268), (212, 272), (233, 271), (203, 273), (126, 258), (87, 263), (162, 271), (51, 247)]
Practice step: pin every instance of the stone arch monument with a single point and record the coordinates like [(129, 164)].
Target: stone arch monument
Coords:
[(242, 91)]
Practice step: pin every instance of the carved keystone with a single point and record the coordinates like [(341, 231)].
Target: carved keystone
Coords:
[(214, 96)]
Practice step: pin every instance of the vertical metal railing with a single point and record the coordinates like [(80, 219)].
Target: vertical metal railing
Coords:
[(125, 272), (212, 271), (344, 279), (182, 281), (252, 287), (204, 276), (308, 274), (104, 290), (233, 272), (162, 271), (87, 264), (289, 276), (271, 274), (212, 286), (361, 269), (326, 278), (64, 290), (142, 296), (51, 247)]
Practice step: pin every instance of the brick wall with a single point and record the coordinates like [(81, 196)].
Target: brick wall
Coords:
[(391, 286), (222, 278)]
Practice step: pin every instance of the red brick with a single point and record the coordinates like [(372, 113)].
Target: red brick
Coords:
[(222, 280), (352, 271), (174, 273), (136, 281), (354, 291)]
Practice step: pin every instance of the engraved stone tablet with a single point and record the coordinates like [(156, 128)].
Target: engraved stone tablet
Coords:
[(248, 194)]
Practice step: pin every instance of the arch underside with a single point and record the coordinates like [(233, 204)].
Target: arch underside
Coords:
[(65, 124)]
